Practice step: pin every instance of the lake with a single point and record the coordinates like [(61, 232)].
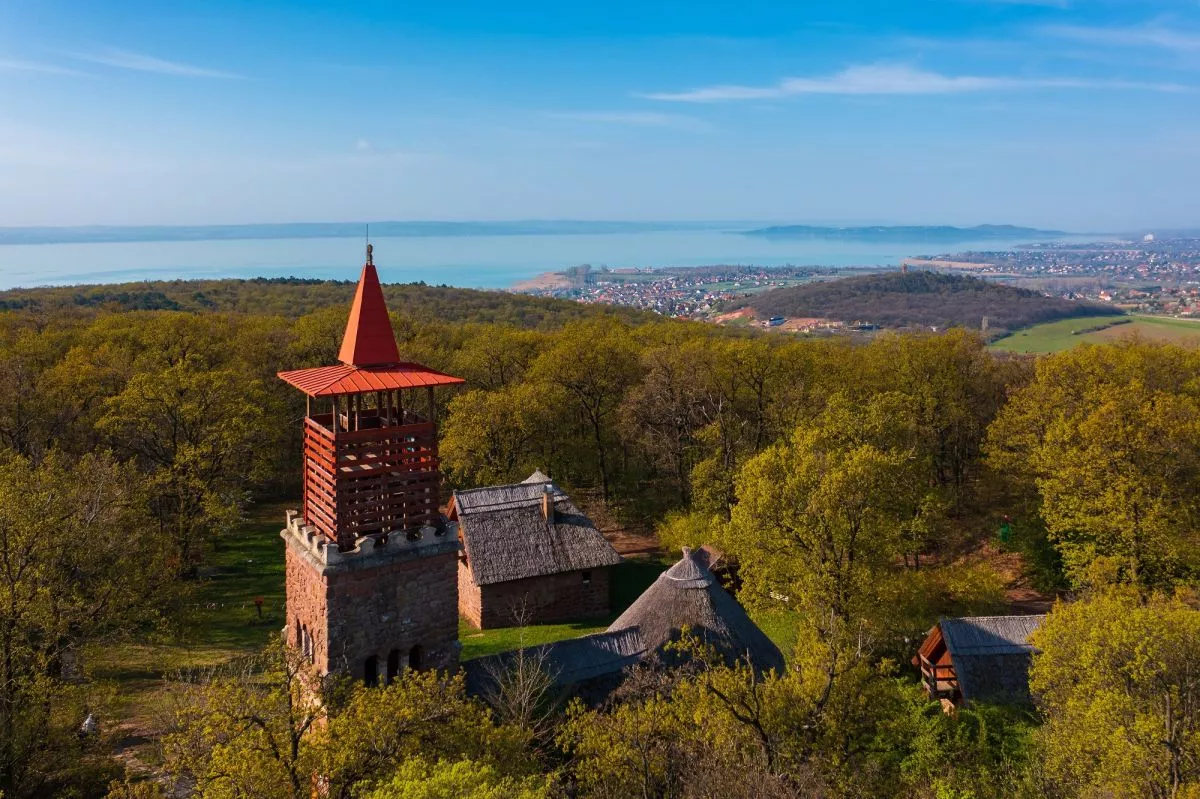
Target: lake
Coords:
[(467, 261)]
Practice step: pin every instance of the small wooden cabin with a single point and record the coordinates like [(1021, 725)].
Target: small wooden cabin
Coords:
[(529, 555), (979, 658)]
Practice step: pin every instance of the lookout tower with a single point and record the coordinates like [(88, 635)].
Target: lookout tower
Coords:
[(371, 574)]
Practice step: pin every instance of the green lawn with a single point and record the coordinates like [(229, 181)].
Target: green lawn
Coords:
[(629, 580), (1067, 333)]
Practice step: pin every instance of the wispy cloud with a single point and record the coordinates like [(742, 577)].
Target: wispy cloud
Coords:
[(1150, 35), (653, 119), (17, 65), (881, 79), (139, 62)]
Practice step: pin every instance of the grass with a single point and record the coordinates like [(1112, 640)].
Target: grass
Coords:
[(1065, 333), (781, 626), (220, 624), (629, 579)]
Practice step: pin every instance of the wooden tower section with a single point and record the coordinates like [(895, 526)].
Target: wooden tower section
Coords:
[(371, 574), (370, 440)]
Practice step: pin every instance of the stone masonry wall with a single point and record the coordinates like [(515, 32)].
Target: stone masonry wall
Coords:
[(546, 600), (397, 602), (305, 594)]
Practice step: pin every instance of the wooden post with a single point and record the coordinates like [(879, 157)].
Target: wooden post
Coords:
[(333, 407), (432, 406)]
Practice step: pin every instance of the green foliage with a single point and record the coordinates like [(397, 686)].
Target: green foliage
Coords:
[(67, 579), (1109, 439), (1117, 679), (920, 298), (465, 779), (824, 514), (265, 727)]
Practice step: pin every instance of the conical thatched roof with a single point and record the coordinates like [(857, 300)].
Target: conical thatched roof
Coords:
[(688, 595)]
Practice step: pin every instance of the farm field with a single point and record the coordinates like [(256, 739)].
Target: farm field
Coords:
[(1067, 333)]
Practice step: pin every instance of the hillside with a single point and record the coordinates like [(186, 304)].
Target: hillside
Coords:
[(903, 299)]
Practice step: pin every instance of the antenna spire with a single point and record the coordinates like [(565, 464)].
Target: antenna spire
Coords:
[(370, 258)]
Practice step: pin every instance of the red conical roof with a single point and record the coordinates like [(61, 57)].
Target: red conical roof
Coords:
[(369, 340)]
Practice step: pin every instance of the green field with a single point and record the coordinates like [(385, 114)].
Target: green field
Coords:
[(1067, 333)]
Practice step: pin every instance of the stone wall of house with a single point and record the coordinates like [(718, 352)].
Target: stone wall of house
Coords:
[(470, 598), (396, 603), (546, 600)]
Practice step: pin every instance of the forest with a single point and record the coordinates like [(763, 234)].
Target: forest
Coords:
[(920, 299), (860, 487)]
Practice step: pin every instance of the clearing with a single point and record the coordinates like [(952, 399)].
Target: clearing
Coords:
[(1067, 333)]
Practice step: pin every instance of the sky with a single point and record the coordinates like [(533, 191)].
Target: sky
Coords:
[(1076, 114)]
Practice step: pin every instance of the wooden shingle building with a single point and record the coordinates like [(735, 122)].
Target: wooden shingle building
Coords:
[(979, 658), (529, 556)]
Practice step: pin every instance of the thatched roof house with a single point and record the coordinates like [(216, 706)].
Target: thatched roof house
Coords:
[(689, 595), (528, 551), (978, 658), (595, 663), (686, 595)]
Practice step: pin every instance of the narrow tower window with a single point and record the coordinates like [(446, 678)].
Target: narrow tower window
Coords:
[(393, 666), (371, 671)]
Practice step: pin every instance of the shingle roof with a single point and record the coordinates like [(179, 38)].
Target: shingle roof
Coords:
[(990, 635), (507, 537), (568, 662), (991, 655), (688, 595)]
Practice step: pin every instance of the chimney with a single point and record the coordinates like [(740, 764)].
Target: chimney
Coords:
[(548, 502)]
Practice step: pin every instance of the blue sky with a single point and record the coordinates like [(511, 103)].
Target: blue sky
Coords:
[(1081, 114)]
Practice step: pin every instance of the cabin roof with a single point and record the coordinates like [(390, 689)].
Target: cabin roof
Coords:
[(689, 595), (507, 537), (991, 655), (990, 635)]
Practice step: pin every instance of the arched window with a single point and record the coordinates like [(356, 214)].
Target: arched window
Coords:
[(305, 642), (371, 670), (414, 657), (393, 666), (298, 629)]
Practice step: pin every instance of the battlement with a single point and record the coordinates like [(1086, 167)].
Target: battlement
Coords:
[(369, 551)]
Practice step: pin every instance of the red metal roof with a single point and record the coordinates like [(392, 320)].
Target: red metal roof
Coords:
[(333, 381), (369, 340)]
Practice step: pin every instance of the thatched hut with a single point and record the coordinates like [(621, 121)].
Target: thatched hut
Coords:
[(689, 595), (978, 658), (529, 556), (686, 595)]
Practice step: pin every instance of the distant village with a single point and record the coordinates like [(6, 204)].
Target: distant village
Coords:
[(1152, 276)]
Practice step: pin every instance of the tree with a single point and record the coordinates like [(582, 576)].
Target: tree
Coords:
[(198, 433), (594, 363), (492, 437), (78, 564), (1118, 680), (824, 513), (267, 728), (1108, 439), (417, 778)]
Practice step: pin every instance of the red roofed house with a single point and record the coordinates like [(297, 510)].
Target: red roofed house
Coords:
[(371, 572)]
